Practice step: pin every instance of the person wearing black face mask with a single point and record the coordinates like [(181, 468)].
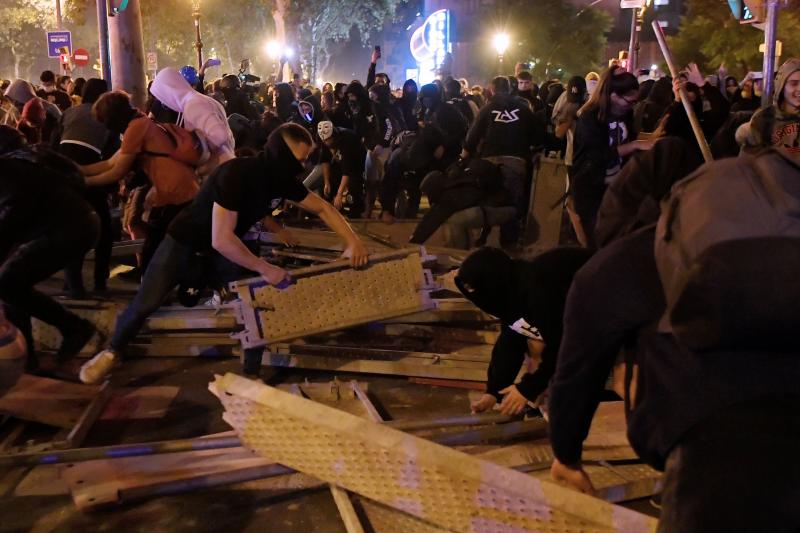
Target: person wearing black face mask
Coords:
[(604, 140), (238, 194), (235, 100), (408, 105), (529, 298)]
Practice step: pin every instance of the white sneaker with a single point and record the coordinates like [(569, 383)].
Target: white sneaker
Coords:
[(95, 369)]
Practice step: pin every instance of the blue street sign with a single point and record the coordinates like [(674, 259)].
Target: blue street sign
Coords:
[(56, 40)]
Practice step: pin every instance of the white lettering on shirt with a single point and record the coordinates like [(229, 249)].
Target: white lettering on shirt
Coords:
[(506, 117), (523, 328)]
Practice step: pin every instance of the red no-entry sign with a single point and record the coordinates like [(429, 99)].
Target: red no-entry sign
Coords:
[(80, 57)]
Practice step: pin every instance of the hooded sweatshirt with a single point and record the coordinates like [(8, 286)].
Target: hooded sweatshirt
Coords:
[(772, 126), (528, 297), (20, 91), (198, 112)]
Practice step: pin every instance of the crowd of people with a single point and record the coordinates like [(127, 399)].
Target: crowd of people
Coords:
[(650, 290)]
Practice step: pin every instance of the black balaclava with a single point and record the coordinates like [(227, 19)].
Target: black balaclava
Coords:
[(410, 92), (486, 278), (362, 103), (279, 157), (383, 92), (284, 100), (429, 98)]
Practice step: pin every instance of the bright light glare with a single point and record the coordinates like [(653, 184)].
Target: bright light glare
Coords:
[(273, 49), (501, 42), (653, 67), (288, 52)]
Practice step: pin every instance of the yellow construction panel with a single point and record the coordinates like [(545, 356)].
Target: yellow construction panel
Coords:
[(442, 486)]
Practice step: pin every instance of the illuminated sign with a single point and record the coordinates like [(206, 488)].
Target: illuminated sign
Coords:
[(430, 43)]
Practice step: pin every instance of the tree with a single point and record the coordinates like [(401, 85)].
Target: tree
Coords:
[(21, 33), (710, 36), (557, 38)]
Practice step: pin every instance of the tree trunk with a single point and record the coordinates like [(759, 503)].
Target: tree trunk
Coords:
[(16, 61), (127, 53), (228, 53)]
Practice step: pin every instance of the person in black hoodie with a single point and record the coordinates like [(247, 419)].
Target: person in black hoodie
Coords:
[(528, 297), (506, 130), (408, 105), (238, 194), (45, 223), (236, 101), (436, 146), (284, 102), (452, 96)]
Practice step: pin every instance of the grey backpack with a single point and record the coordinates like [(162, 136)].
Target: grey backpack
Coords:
[(728, 254)]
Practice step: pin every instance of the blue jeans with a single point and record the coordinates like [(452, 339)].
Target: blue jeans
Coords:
[(163, 274)]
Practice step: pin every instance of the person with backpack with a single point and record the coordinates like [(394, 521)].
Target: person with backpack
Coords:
[(506, 130), (528, 297), (198, 113), (712, 328), (778, 124), (207, 235), (166, 154)]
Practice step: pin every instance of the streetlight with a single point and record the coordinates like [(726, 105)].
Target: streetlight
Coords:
[(501, 42), (198, 43), (273, 49)]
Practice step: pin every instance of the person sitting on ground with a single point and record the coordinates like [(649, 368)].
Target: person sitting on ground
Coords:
[(238, 194), (528, 297), (778, 124), (44, 224)]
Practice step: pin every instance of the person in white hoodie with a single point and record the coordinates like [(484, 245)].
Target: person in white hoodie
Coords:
[(198, 113)]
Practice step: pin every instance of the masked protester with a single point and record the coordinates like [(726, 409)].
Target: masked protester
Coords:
[(238, 194), (528, 297), (345, 157), (236, 101)]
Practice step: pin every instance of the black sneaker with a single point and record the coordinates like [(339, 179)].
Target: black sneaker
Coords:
[(75, 339)]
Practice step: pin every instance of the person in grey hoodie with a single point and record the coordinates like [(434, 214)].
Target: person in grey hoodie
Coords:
[(20, 91), (777, 124), (197, 113)]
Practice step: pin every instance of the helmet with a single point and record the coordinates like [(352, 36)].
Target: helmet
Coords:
[(325, 130), (189, 73)]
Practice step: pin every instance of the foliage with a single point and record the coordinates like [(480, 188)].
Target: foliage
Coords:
[(22, 38), (710, 36), (547, 36)]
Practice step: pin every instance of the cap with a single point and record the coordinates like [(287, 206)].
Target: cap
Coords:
[(325, 130)]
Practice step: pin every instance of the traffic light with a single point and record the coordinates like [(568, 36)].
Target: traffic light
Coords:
[(748, 11), (116, 6)]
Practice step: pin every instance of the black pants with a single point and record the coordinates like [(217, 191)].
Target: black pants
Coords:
[(36, 260), (98, 199), (737, 471), (157, 225)]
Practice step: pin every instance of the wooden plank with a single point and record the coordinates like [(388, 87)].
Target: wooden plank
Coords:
[(139, 403), (411, 366), (443, 486), (467, 360), (453, 383), (48, 401), (361, 393), (88, 418), (351, 521)]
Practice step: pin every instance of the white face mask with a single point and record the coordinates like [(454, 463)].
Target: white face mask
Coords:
[(591, 85)]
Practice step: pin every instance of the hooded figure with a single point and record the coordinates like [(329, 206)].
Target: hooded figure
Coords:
[(777, 124), (408, 105), (529, 298), (198, 113), (390, 120), (309, 114), (20, 92), (285, 105), (32, 121)]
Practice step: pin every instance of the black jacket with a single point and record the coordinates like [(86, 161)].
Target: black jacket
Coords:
[(528, 297), (504, 127)]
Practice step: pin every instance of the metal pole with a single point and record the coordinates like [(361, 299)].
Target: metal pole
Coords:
[(632, 44), (59, 20), (687, 105), (198, 43), (770, 33), (102, 31)]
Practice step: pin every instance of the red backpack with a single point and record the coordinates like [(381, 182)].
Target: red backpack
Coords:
[(189, 147)]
